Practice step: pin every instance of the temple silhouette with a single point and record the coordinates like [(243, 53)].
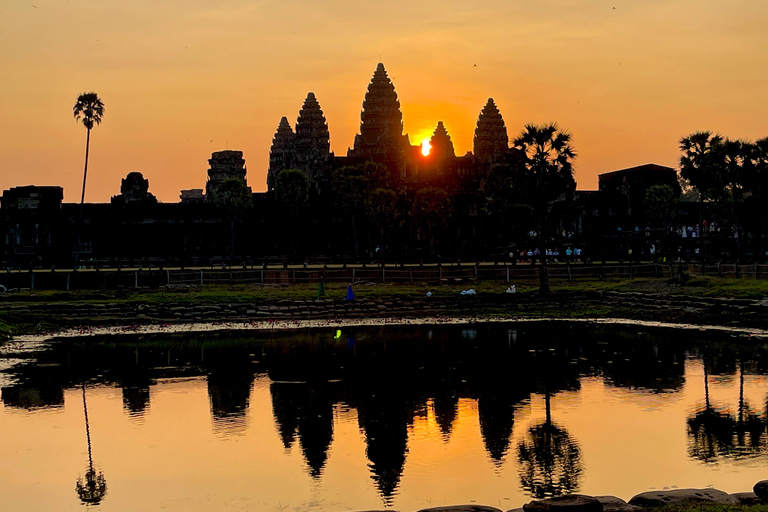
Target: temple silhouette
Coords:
[(39, 230)]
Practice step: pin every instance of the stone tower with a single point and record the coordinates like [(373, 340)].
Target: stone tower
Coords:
[(312, 142), (491, 141), (441, 144), (225, 165), (281, 152), (381, 122)]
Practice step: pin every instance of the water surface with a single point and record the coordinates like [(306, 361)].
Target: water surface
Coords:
[(359, 418)]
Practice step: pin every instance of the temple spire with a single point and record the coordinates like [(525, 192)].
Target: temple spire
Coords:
[(381, 122), (441, 144), (281, 152), (491, 141), (312, 145)]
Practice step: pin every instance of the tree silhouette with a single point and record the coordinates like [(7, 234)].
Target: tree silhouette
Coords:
[(90, 109), (234, 197), (430, 209), (700, 166), (547, 175), (660, 202), (93, 489)]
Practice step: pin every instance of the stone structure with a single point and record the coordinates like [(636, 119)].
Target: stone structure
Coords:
[(281, 154), (134, 189), (441, 144), (224, 165), (491, 142), (381, 122), (192, 196), (312, 144)]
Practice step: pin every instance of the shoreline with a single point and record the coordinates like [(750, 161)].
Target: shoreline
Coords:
[(286, 325)]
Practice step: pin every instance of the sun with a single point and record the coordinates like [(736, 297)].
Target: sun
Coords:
[(425, 147)]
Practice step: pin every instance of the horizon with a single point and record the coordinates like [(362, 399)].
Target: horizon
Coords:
[(182, 80)]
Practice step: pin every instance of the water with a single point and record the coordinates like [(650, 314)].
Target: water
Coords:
[(383, 417)]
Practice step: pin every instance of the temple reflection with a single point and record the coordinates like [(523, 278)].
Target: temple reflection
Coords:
[(387, 379)]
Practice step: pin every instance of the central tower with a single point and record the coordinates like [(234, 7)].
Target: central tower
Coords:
[(381, 122)]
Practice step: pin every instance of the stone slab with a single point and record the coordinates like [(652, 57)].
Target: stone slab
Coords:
[(568, 503), (615, 504), (681, 497), (747, 498)]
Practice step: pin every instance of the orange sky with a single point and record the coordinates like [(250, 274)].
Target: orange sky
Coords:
[(183, 78)]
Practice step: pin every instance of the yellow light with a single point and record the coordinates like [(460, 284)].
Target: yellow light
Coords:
[(425, 147)]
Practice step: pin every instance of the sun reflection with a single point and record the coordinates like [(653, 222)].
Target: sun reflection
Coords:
[(425, 147)]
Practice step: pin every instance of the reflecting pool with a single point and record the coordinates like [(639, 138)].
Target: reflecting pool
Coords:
[(363, 418)]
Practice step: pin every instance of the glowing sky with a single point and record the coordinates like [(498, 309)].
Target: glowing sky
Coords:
[(183, 78)]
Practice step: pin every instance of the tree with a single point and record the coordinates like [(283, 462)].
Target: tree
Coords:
[(546, 176), (660, 203), (756, 180), (90, 109), (235, 198), (354, 188), (382, 210), (431, 208), (735, 154), (700, 166), (292, 190)]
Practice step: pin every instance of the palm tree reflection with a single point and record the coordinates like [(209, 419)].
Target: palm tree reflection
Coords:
[(549, 458), (93, 488), (715, 434)]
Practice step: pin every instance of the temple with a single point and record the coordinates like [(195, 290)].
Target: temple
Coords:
[(381, 140)]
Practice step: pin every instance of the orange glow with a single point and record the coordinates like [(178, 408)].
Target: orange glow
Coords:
[(425, 147), (180, 80)]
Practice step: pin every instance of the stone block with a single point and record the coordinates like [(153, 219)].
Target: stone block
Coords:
[(682, 497), (567, 503), (761, 489)]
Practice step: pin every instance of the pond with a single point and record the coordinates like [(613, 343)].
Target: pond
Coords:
[(358, 418)]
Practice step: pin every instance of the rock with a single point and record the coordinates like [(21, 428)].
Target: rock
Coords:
[(761, 489), (568, 503), (682, 496), (615, 504), (461, 508), (747, 498)]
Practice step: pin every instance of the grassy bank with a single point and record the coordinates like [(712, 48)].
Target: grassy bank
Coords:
[(695, 287), (17, 318)]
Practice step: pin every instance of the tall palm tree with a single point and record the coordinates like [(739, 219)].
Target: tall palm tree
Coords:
[(699, 166), (90, 109), (547, 159)]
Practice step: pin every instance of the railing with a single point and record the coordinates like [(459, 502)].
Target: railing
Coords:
[(436, 274)]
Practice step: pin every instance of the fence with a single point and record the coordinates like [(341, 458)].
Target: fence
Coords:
[(447, 274)]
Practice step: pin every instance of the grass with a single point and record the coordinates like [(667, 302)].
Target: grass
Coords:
[(697, 286)]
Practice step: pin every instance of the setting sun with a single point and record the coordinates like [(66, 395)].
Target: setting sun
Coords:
[(425, 147)]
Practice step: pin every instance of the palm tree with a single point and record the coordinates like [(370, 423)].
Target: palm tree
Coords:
[(547, 159), (90, 109), (699, 166)]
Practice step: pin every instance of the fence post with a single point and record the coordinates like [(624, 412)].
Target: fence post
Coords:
[(410, 273), (293, 275), (135, 278), (506, 267), (32, 280), (262, 276), (353, 274), (167, 277), (476, 275), (201, 277), (383, 274), (568, 266), (68, 274)]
